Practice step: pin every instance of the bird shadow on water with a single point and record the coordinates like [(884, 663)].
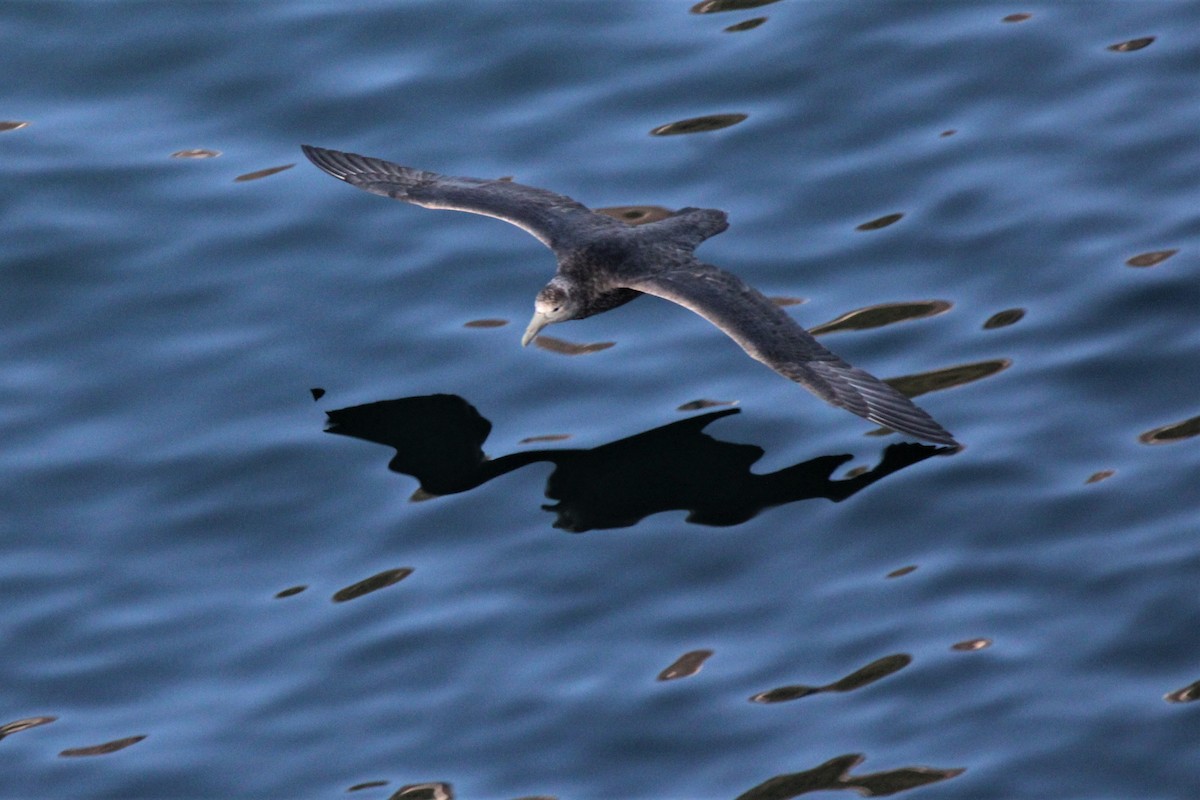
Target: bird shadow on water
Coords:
[(439, 441)]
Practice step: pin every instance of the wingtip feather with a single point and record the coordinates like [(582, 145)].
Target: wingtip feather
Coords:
[(328, 161)]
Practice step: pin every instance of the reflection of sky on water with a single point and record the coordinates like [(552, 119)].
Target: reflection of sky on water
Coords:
[(165, 318)]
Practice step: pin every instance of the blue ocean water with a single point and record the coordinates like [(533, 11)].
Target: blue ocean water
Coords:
[(167, 472)]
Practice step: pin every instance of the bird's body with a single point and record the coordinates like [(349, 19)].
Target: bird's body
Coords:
[(604, 263)]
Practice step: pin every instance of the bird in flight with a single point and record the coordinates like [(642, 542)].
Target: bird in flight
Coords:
[(604, 263)]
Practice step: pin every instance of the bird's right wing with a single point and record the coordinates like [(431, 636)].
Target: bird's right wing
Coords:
[(554, 219), (770, 335)]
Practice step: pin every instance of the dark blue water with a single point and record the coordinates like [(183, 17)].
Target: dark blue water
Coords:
[(166, 472)]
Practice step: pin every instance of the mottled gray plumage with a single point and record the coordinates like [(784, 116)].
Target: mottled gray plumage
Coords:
[(603, 263)]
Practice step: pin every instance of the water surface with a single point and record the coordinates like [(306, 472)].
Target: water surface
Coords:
[(168, 474)]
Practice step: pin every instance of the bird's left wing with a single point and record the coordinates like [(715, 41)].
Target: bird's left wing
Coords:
[(770, 335), (554, 219)]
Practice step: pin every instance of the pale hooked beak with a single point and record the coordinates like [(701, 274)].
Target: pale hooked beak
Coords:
[(538, 322)]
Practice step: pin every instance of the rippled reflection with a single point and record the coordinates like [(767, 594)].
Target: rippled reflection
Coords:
[(971, 645), (358, 787), (882, 314), (198, 152), (749, 24), (902, 571), (372, 584), (686, 665), (289, 592), (12, 125), (717, 6), (546, 437), (864, 676), (1002, 319), (1016, 17), (835, 774), (485, 323), (262, 173), (1151, 258), (1172, 433), (935, 380), (102, 749), (565, 348), (783, 301), (439, 440), (880, 222), (1132, 44), (1102, 475), (696, 405), (711, 122)]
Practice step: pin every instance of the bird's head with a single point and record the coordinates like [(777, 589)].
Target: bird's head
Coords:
[(554, 303)]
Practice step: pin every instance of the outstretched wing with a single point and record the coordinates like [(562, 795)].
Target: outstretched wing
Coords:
[(769, 334), (553, 218)]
